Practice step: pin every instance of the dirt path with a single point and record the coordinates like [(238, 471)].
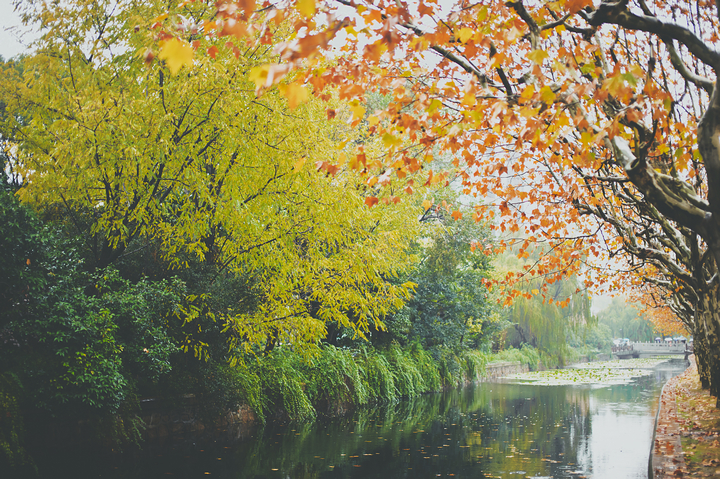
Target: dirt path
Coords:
[(687, 440)]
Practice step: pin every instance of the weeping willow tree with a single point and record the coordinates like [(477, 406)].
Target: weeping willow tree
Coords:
[(543, 318), (626, 320)]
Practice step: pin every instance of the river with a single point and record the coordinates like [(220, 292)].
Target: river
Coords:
[(494, 429)]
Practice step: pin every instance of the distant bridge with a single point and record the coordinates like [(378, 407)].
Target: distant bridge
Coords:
[(644, 350)]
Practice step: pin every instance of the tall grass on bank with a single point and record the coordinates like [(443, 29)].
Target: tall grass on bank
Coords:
[(287, 384)]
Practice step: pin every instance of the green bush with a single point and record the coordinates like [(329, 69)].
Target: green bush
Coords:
[(407, 376), (12, 430), (526, 355), (427, 366), (475, 363)]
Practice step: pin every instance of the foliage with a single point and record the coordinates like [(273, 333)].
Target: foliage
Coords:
[(334, 377), (544, 319), (81, 351), (450, 306), (592, 123), (378, 375), (282, 383), (627, 321), (196, 170), (593, 337), (23, 242), (12, 450), (526, 355)]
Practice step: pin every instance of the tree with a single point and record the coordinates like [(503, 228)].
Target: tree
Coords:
[(449, 307), (627, 321), (567, 111), (544, 321), (193, 167)]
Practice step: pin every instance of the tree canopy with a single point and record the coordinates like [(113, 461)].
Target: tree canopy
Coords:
[(592, 123), (196, 169)]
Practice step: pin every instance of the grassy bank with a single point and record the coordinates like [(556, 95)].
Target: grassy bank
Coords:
[(289, 385)]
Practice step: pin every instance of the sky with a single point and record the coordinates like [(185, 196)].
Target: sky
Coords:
[(10, 43)]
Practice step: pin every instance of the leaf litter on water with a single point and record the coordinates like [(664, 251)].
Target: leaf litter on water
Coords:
[(619, 371)]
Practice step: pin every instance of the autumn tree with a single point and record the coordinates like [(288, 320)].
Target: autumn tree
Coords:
[(183, 160), (553, 107)]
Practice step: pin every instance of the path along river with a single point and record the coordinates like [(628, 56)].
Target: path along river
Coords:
[(495, 429)]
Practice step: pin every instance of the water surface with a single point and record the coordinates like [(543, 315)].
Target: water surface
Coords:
[(499, 430)]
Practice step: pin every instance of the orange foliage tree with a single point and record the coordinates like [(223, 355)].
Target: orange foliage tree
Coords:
[(591, 128)]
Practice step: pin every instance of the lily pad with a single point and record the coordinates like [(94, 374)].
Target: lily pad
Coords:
[(601, 373)]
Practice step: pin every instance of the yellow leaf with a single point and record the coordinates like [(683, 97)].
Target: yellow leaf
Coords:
[(547, 95), (258, 75), (434, 105), (613, 84), (357, 109), (528, 112), (527, 93), (296, 94), (427, 204), (535, 291), (306, 7), (537, 56), (465, 34), (468, 99), (373, 120), (299, 164), (391, 141), (176, 53)]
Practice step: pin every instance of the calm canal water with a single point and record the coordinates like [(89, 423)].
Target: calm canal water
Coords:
[(499, 430)]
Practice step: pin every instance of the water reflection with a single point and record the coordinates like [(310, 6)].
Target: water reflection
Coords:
[(489, 430)]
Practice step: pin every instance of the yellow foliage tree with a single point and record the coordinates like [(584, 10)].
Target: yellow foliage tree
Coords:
[(196, 163)]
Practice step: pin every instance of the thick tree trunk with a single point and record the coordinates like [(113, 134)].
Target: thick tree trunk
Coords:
[(701, 358), (707, 320)]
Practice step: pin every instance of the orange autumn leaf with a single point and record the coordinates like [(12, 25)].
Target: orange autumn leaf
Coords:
[(371, 201)]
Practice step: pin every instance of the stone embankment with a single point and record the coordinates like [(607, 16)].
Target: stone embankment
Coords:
[(502, 369)]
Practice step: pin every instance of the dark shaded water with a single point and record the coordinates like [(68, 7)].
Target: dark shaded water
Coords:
[(489, 430)]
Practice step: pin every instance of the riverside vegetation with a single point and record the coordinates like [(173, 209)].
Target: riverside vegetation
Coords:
[(173, 235), (84, 344)]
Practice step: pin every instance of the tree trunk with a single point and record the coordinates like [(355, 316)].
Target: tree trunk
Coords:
[(707, 320), (700, 348)]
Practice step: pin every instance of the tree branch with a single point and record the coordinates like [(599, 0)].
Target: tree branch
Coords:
[(617, 13)]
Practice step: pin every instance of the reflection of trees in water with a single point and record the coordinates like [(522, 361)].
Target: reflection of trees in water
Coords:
[(470, 432), (533, 429), (489, 428)]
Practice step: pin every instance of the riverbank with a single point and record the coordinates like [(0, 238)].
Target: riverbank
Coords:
[(687, 441), (183, 423)]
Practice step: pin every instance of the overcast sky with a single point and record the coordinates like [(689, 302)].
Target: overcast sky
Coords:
[(10, 43)]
